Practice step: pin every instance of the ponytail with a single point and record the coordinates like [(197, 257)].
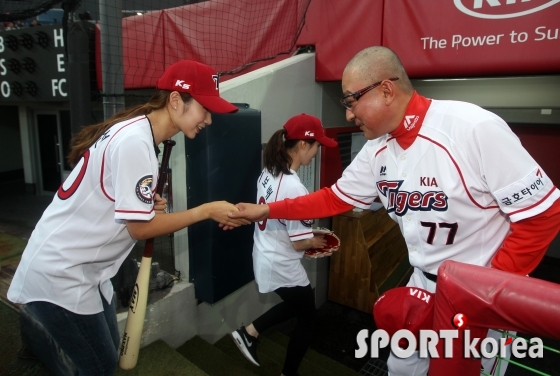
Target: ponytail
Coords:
[(275, 157)]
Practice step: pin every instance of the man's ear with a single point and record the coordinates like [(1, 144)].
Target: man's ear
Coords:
[(388, 90)]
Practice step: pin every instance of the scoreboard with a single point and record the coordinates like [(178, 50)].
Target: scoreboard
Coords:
[(33, 64)]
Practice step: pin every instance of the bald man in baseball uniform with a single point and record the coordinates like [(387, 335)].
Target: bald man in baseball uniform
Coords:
[(453, 176)]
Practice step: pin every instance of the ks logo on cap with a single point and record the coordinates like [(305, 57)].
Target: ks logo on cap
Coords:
[(182, 85), (199, 81)]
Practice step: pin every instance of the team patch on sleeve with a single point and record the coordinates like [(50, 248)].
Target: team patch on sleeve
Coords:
[(144, 189), (523, 189), (307, 222)]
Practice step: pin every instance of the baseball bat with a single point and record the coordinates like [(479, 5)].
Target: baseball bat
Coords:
[(130, 345)]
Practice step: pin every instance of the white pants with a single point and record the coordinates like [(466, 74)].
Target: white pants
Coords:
[(415, 366)]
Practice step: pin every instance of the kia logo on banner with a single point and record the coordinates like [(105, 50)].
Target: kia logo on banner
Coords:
[(496, 9), (468, 38)]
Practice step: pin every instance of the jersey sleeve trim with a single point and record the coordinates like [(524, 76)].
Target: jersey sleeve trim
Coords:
[(103, 159), (535, 204), (302, 236), (537, 208), (350, 197), (320, 204), (460, 174), (134, 211)]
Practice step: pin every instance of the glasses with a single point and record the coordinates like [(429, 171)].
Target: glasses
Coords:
[(358, 94)]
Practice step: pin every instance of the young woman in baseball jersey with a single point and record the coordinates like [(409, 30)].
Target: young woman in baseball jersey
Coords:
[(453, 176), (98, 214), (279, 245)]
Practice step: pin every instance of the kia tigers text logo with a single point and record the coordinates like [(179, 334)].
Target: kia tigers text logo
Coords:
[(310, 134), (401, 201), (499, 9)]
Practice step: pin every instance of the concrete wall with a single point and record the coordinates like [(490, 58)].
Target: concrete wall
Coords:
[(279, 91), (177, 317)]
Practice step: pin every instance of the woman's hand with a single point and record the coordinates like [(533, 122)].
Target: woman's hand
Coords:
[(318, 241), (160, 204), (219, 210)]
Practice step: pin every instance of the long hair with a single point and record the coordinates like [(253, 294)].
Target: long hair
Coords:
[(90, 134), (275, 157)]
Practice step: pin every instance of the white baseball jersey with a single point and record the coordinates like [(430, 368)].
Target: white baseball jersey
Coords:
[(81, 240), (449, 189), (276, 263)]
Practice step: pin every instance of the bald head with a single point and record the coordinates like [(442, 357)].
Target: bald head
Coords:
[(378, 63)]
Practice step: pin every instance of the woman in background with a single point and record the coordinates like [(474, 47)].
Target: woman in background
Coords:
[(279, 245)]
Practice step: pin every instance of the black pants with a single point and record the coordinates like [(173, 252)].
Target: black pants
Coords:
[(297, 302)]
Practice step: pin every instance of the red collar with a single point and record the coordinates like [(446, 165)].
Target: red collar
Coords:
[(408, 129)]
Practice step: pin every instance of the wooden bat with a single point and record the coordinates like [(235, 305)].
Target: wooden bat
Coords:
[(130, 345)]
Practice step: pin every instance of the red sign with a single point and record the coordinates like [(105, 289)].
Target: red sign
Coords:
[(339, 30), (461, 38)]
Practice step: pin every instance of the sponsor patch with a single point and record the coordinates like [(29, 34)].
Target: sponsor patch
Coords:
[(144, 189), (523, 189)]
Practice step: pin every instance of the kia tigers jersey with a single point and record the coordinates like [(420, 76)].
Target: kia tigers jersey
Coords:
[(276, 263), (81, 240), (449, 185)]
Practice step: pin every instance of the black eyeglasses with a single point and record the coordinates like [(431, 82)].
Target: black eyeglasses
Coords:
[(358, 94)]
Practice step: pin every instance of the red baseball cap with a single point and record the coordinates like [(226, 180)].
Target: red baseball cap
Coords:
[(409, 308), (307, 127), (198, 80)]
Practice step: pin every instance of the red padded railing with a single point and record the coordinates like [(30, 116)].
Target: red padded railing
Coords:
[(490, 298)]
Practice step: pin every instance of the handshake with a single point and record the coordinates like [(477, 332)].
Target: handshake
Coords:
[(230, 216), (245, 213)]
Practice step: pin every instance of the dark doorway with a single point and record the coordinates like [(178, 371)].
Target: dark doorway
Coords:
[(65, 135), (49, 151)]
